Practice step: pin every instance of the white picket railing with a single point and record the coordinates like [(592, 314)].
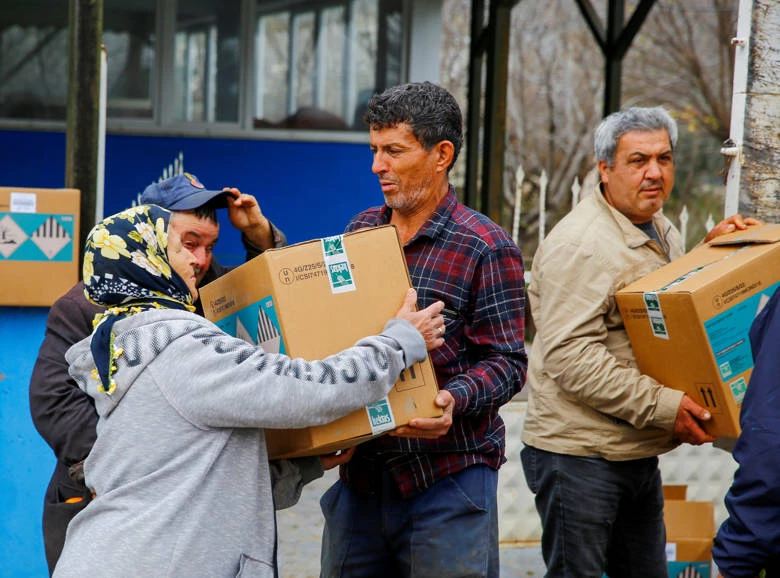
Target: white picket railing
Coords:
[(576, 188)]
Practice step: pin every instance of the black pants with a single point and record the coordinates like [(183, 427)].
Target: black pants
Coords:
[(57, 512)]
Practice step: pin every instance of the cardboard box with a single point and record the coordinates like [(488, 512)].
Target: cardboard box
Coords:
[(39, 238), (688, 322), (317, 298), (690, 528), (675, 492)]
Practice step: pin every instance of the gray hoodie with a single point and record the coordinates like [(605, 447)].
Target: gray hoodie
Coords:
[(179, 468)]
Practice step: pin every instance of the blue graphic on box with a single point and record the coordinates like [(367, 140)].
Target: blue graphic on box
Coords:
[(36, 237), (258, 324), (727, 334)]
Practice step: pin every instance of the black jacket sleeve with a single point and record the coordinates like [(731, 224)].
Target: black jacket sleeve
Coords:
[(252, 250), (63, 414)]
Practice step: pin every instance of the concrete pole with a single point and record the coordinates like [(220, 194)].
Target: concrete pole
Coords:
[(85, 27)]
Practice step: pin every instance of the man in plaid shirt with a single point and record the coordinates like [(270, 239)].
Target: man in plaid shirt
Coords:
[(421, 501)]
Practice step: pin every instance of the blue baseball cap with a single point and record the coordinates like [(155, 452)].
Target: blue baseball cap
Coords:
[(182, 193)]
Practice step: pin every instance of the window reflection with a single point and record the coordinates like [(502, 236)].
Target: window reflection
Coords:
[(207, 61), (34, 58), (130, 41), (315, 63), (318, 63), (273, 59)]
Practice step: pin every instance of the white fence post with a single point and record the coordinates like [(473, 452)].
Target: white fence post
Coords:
[(519, 178), (684, 227), (542, 205), (576, 187)]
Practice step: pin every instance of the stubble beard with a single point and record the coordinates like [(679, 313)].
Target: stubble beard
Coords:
[(405, 200)]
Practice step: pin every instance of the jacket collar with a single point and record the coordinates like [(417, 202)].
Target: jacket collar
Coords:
[(633, 235)]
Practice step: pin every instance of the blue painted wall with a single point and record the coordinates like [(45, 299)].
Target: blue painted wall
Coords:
[(308, 190), (26, 462)]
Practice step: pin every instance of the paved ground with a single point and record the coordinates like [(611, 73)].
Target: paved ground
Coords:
[(300, 529)]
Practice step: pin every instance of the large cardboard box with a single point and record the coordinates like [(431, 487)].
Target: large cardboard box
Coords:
[(688, 322), (39, 236), (690, 528), (314, 299)]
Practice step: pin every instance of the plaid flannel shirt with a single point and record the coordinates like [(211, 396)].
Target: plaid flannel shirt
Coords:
[(461, 257)]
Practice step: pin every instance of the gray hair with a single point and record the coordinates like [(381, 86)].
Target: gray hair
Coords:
[(635, 118), (432, 113)]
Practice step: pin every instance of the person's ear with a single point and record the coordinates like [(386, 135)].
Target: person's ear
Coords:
[(445, 151), (603, 171)]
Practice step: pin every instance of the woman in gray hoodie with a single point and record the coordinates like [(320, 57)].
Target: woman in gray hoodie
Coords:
[(180, 470)]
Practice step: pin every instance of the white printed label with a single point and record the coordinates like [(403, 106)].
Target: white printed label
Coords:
[(671, 551), (24, 203), (337, 264)]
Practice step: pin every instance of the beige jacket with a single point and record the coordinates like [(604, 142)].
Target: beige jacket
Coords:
[(586, 396)]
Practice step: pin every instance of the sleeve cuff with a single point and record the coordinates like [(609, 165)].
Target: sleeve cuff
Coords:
[(252, 250), (668, 405)]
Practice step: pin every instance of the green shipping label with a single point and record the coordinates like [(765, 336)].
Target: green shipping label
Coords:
[(655, 315), (380, 416), (337, 265)]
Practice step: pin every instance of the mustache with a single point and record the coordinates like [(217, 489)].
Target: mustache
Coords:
[(387, 177), (651, 184)]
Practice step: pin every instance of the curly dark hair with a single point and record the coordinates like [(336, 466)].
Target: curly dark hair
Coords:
[(431, 111)]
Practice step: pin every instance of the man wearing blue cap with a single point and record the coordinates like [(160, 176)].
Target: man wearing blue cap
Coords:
[(63, 414), (196, 220)]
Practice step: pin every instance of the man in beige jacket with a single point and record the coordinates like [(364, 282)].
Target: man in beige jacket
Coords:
[(595, 424)]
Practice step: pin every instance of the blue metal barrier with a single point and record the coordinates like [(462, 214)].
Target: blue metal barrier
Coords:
[(26, 462)]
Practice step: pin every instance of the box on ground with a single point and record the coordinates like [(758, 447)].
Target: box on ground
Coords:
[(317, 298), (675, 491), (690, 528), (688, 322), (39, 237)]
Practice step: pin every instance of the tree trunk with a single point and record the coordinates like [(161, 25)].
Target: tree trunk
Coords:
[(759, 187)]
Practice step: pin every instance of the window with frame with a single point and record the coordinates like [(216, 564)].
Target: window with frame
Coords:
[(207, 61), (34, 58), (318, 62), (315, 62)]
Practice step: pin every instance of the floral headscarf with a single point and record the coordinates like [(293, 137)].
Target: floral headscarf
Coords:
[(126, 270)]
